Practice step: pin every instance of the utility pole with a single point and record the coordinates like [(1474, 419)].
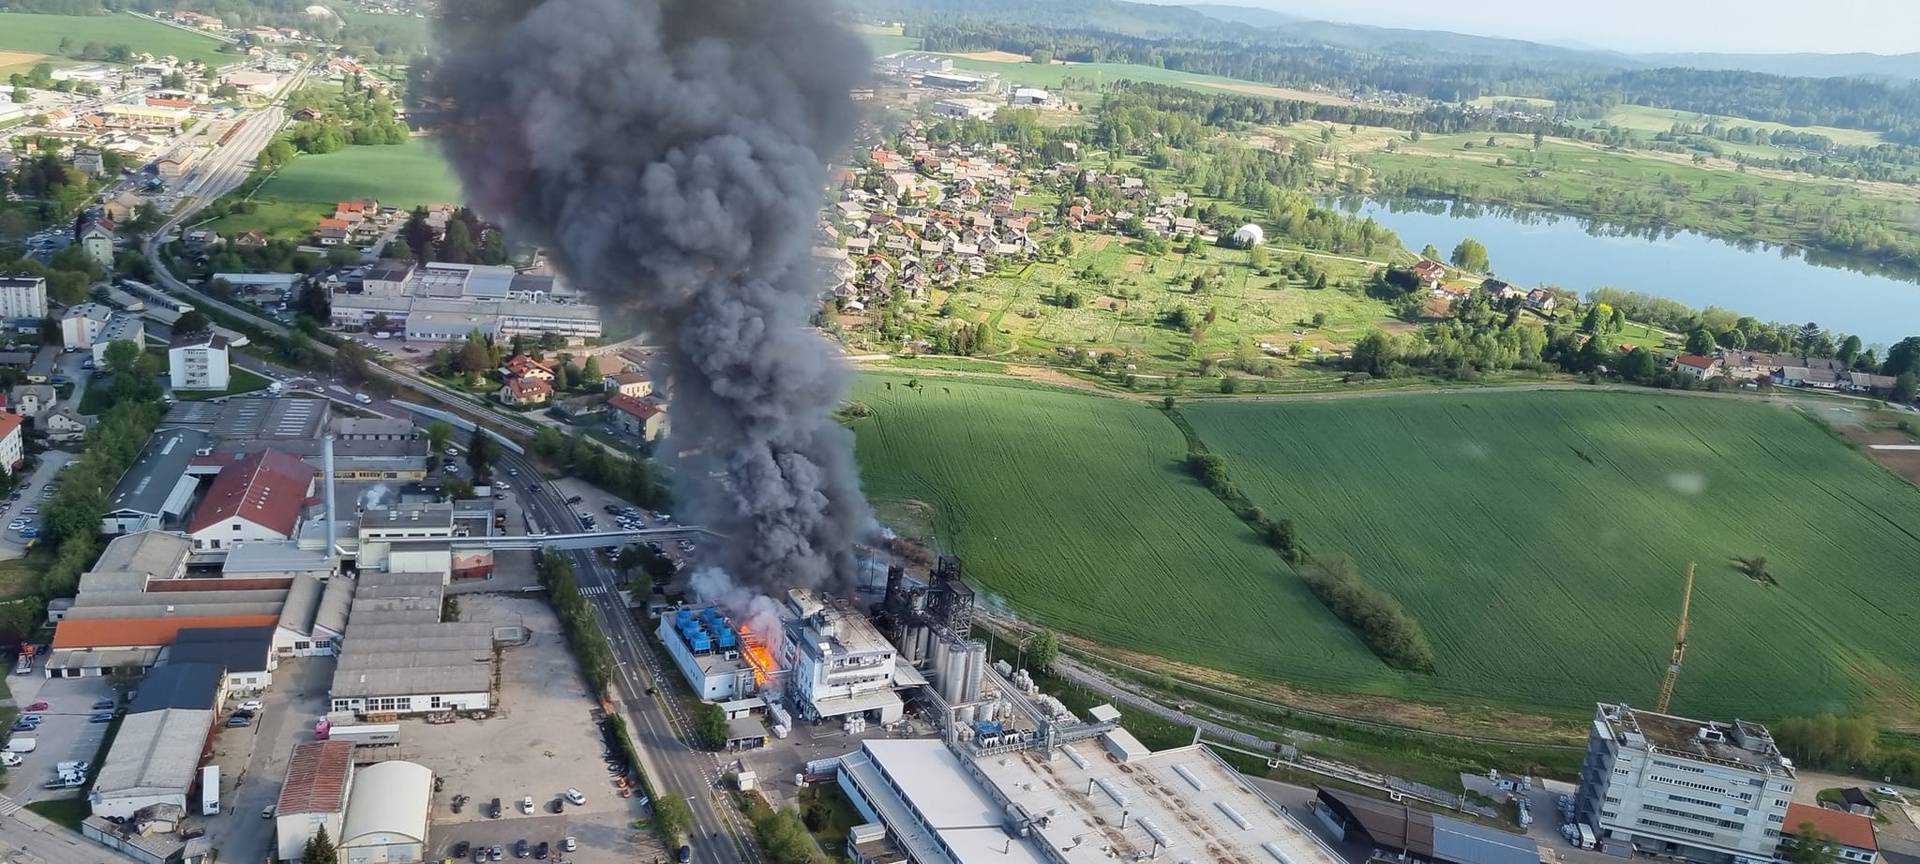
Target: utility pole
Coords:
[(1679, 645)]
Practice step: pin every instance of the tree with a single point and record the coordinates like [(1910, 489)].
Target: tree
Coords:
[(439, 433), (1043, 650), (711, 725), (784, 838), (1429, 253), (419, 235), (1904, 356), (192, 321), (1905, 385), (457, 247), (480, 456), (123, 357), (1809, 845), (671, 818), (590, 372), (1700, 341), (320, 849), (1471, 256), (1848, 349)]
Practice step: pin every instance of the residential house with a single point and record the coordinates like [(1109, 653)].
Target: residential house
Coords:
[(96, 237), (525, 392), (1696, 366), (523, 366), (1852, 833), (1541, 300), (31, 400), (642, 418), (1430, 273), (63, 424), (13, 449), (636, 385), (198, 361)]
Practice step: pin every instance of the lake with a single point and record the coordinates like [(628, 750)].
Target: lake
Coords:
[(1529, 248)]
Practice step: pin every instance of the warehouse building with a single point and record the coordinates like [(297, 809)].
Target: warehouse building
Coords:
[(1714, 793), (398, 657), (706, 648), (314, 796), (125, 618), (156, 491), (256, 498), (244, 655), (387, 815), (155, 555), (1074, 805), (446, 319), (1399, 832), (156, 756), (314, 618)]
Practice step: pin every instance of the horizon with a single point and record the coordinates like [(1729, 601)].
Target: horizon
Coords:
[(1691, 26)]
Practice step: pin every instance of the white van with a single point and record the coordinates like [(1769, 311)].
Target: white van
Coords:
[(22, 745), (10, 759)]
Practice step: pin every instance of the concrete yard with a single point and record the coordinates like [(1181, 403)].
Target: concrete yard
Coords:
[(64, 734), (542, 740), (253, 759)]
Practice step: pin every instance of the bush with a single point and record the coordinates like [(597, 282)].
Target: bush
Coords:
[(1390, 633), (563, 590)]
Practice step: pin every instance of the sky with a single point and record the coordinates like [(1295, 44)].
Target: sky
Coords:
[(1735, 26)]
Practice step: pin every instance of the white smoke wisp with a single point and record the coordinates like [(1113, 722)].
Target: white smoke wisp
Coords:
[(670, 154), (375, 498), (759, 612)]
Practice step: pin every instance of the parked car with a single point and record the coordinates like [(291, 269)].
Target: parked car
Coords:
[(574, 500), (250, 705), (23, 725), (103, 705), (556, 805), (40, 706), (101, 717), (493, 812), (238, 720), (574, 797), (526, 805), (29, 532), (362, 398), (16, 524), (568, 844), (496, 853), (1888, 791), (479, 854), (267, 811), (459, 849), (520, 848), (684, 855), (540, 851), (31, 511)]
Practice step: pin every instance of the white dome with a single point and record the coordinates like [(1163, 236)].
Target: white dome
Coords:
[(1249, 235)]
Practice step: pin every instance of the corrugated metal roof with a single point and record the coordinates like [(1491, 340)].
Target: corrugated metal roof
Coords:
[(317, 778)]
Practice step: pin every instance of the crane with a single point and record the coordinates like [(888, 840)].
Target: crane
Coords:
[(1679, 645)]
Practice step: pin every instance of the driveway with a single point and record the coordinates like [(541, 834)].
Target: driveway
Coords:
[(253, 759)]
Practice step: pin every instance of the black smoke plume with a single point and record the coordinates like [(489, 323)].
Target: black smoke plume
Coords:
[(670, 155)]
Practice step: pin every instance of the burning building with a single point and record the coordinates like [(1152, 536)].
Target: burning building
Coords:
[(839, 662), (708, 648)]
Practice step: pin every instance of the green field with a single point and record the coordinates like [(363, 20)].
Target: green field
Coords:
[(41, 34), (1054, 74), (1541, 540), (1075, 509), (1644, 119), (401, 175)]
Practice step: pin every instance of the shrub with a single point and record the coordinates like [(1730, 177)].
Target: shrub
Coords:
[(1390, 633)]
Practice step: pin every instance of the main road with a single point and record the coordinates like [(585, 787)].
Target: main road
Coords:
[(660, 729)]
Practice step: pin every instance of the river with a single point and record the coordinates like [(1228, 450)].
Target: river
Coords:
[(1529, 248)]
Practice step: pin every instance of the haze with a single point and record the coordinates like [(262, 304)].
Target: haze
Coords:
[(1759, 26)]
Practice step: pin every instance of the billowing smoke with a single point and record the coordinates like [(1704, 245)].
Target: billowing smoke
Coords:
[(670, 155)]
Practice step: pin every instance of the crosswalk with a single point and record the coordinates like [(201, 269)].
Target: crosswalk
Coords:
[(592, 591), (8, 806)]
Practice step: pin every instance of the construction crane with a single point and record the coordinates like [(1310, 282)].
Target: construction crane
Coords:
[(1679, 645)]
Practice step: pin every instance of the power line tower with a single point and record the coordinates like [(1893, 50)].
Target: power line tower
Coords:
[(1679, 645)]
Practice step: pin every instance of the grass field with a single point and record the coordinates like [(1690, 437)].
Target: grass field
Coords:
[(1054, 74), (41, 34), (1075, 508), (1541, 540), (400, 174), (1643, 119)]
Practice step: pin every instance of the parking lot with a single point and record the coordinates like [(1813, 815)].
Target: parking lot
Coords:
[(542, 740), (12, 544), (64, 735)]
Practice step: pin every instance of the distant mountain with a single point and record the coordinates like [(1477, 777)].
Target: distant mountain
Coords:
[(1111, 16), (1894, 66), (1244, 14)]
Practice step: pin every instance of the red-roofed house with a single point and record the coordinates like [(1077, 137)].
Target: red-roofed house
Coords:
[(644, 418), (1696, 366), (522, 366), (1852, 832), (525, 391), (12, 441), (255, 498), (1430, 273)]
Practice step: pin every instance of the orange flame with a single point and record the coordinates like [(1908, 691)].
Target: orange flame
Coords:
[(758, 656)]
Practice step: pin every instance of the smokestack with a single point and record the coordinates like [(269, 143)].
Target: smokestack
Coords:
[(326, 465), (670, 154)]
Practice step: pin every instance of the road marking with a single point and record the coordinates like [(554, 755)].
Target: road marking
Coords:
[(592, 591), (8, 806)]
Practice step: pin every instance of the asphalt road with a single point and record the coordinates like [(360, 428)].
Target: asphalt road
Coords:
[(658, 726)]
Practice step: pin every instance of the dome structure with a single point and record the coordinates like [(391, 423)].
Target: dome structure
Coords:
[(1249, 235)]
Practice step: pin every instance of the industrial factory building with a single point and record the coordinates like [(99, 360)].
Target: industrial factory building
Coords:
[(387, 814), (314, 796), (707, 649), (1657, 784), (840, 664), (155, 758), (398, 657), (1398, 831), (1076, 803)]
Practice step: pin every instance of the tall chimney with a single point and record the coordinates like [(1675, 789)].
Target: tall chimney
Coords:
[(326, 463)]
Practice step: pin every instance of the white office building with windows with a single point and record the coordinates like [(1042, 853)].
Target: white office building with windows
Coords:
[(1657, 784)]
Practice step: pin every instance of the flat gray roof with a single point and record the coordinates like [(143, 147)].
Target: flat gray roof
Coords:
[(409, 516), (282, 418), (155, 553), (155, 752), (150, 480)]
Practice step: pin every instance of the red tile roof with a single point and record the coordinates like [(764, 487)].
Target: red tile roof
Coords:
[(641, 408), (143, 632), (1847, 829), (317, 778), (266, 488), (1695, 360), (9, 423)]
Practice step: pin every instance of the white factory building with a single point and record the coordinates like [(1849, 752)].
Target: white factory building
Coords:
[(706, 647), (1084, 802), (838, 663), (1663, 785), (155, 759), (443, 302), (314, 796), (398, 657), (387, 815)]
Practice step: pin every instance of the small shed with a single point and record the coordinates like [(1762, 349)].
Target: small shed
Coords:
[(746, 733)]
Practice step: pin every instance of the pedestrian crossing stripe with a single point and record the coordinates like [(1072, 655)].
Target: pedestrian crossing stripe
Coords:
[(8, 806), (592, 591)]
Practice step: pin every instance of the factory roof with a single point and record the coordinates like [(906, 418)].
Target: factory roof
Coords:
[(1430, 836), (151, 553), (409, 516), (91, 311), (1183, 800), (154, 752), (1738, 744), (303, 602), (390, 270), (352, 427), (267, 488), (206, 593), (274, 557), (334, 603), (843, 631), (236, 649), (388, 798), (142, 632), (150, 480), (317, 776), (934, 808), (367, 683), (297, 418), (186, 684)]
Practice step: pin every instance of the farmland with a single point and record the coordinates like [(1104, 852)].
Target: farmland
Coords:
[(1540, 539), (293, 201), (42, 34), (1074, 508)]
